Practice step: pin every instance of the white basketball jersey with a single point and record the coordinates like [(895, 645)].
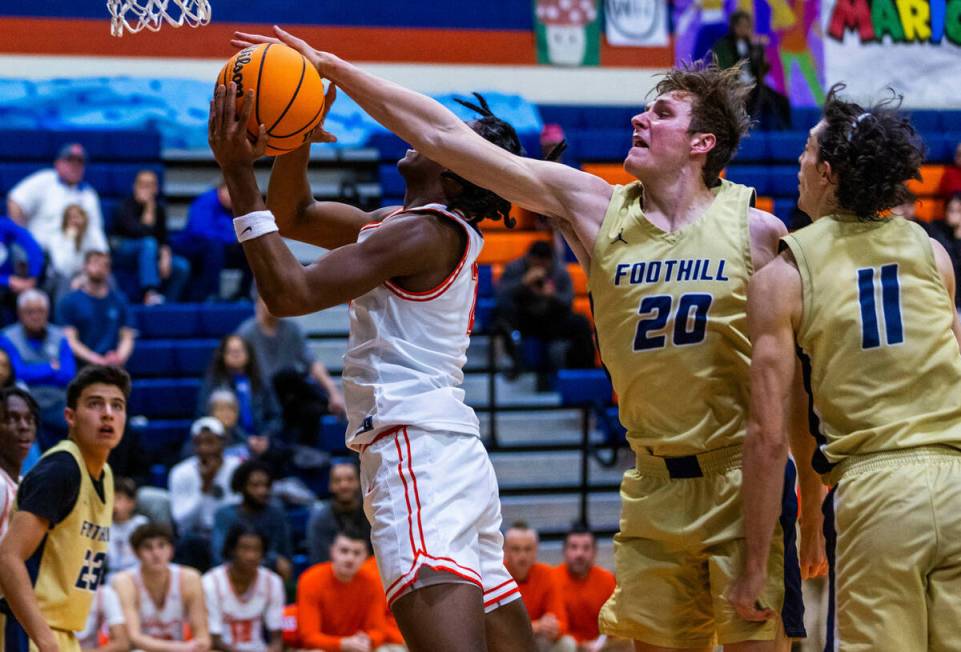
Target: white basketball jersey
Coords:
[(165, 621), (8, 494), (406, 352), (240, 619)]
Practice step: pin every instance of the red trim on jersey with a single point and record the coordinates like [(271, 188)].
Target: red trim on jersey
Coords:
[(501, 597), (473, 306), (386, 433), (413, 478), (440, 569), (410, 516), (499, 586), (442, 287)]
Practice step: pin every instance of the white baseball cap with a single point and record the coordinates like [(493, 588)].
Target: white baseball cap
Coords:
[(207, 423)]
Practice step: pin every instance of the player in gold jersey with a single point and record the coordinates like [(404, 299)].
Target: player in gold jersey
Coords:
[(669, 257), (868, 299), (53, 558)]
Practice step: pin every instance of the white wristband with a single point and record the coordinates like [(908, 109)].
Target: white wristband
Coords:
[(253, 225)]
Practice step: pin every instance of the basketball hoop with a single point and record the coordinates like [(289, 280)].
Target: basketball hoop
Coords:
[(135, 15)]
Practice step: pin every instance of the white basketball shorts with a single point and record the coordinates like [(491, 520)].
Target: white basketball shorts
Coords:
[(435, 513)]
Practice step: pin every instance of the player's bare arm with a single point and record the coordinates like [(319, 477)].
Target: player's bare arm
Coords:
[(544, 187), (129, 598), (946, 268), (773, 307), (24, 536), (766, 232), (403, 249), (196, 610)]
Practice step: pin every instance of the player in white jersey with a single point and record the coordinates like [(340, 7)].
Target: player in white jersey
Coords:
[(244, 598), (411, 277), (161, 600), (106, 619), (18, 430)]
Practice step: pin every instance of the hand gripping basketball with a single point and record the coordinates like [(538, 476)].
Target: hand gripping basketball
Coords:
[(227, 131)]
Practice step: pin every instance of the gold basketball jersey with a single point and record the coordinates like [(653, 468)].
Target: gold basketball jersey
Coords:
[(70, 563), (670, 317), (879, 355)]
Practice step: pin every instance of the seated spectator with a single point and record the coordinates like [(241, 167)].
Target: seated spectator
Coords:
[(222, 404), (252, 480), (8, 378), (106, 629), (539, 590), (338, 606), (243, 598), (140, 231), (42, 359), (68, 248), (584, 589), (38, 201), (161, 601), (534, 298), (948, 233), (95, 316), (343, 511), (18, 433), (209, 244), (235, 367), (302, 387), (120, 554), (21, 263), (951, 179), (199, 486)]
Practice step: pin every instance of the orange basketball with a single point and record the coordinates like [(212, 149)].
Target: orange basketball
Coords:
[(288, 93)]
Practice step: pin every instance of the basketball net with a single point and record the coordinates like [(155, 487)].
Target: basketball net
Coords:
[(135, 15)]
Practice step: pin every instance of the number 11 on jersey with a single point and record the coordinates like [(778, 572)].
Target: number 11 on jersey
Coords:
[(890, 302)]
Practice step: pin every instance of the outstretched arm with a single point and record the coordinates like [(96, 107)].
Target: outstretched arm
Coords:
[(774, 298), (544, 187)]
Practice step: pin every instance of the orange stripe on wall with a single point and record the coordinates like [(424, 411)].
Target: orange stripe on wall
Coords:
[(83, 37)]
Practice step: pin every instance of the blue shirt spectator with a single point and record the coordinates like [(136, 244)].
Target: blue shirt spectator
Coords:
[(96, 318), (42, 358), (210, 217), (20, 255)]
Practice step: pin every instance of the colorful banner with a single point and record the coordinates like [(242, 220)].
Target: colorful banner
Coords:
[(568, 32), (636, 23), (795, 49), (912, 46)]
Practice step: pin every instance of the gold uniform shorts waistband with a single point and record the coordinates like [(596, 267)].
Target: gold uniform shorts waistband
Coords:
[(715, 462), (858, 464)]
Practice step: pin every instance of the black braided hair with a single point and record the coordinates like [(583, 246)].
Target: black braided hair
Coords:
[(873, 151), (476, 202)]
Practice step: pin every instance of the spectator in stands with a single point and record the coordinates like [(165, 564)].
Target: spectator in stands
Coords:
[(539, 590), (252, 480), (105, 620), (338, 606), (948, 233), (199, 486), (584, 589), (95, 316), (120, 555), (68, 248), (343, 511), (234, 366), (140, 228), (243, 599), (162, 601), (951, 179), (302, 387), (38, 201), (8, 378), (42, 358), (208, 242), (534, 297), (21, 263), (741, 46)]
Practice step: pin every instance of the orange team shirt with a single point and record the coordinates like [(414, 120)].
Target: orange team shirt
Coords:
[(329, 610), (542, 595), (391, 630), (583, 599)]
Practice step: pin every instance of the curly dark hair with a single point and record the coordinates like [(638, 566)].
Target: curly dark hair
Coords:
[(719, 107), (236, 532), (476, 202), (97, 374), (238, 481), (873, 152), (217, 372)]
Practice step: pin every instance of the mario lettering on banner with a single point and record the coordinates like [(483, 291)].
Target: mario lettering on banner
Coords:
[(568, 32), (913, 46)]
